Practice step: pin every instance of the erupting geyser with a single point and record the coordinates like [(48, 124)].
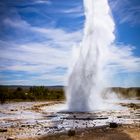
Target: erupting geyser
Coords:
[(88, 77), (99, 58)]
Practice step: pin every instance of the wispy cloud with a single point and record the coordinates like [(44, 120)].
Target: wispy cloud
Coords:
[(127, 11), (56, 34), (39, 54), (42, 2), (124, 59), (39, 58), (74, 12)]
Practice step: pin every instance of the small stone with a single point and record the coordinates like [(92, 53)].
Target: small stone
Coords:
[(23, 125), (71, 133), (11, 138), (3, 130), (113, 125)]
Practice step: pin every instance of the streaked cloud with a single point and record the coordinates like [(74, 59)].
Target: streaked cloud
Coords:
[(127, 11), (39, 58), (36, 44)]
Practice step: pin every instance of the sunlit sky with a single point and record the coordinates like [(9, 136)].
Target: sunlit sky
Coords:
[(37, 37)]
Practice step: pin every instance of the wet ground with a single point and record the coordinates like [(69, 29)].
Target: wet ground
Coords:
[(37, 119)]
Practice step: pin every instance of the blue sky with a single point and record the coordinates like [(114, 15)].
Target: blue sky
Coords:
[(36, 39)]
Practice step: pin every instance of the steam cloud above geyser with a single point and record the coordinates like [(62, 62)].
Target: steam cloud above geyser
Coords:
[(98, 59)]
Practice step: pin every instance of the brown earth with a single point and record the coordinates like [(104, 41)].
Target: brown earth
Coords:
[(128, 132)]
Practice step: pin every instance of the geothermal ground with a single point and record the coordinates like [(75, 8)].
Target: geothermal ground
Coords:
[(50, 120)]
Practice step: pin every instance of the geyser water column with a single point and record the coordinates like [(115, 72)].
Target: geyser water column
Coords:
[(88, 77)]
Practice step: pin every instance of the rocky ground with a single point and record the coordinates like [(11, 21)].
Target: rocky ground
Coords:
[(126, 132), (42, 120)]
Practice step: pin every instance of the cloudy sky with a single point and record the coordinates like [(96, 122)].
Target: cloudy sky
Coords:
[(37, 37)]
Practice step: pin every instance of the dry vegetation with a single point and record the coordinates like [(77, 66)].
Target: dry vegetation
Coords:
[(34, 93), (127, 92)]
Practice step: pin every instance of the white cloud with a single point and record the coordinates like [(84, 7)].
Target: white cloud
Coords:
[(74, 12), (57, 35), (124, 59), (42, 2), (127, 11), (40, 58)]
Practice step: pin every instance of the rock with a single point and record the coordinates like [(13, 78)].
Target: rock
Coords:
[(113, 125), (11, 138), (71, 133), (74, 116), (132, 105), (53, 127), (3, 130), (23, 125)]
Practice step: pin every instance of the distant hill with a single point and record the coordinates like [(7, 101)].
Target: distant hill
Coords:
[(28, 86)]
